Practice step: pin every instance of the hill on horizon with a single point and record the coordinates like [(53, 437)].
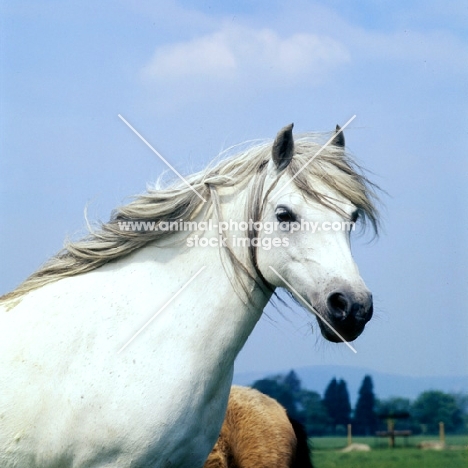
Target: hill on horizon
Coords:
[(385, 385)]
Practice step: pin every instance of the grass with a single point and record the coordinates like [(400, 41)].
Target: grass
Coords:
[(326, 453), (404, 458)]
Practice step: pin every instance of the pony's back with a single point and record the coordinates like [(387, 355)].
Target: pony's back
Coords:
[(257, 433)]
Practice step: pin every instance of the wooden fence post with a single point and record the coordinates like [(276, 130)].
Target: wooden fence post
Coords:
[(391, 432), (442, 432), (350, 435)]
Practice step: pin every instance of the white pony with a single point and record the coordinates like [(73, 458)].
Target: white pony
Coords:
[(69, 398)]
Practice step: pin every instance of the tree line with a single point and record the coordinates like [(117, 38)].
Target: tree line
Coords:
[(330, 414)]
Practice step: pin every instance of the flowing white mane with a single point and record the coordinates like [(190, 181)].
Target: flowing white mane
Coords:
[(333, 166)]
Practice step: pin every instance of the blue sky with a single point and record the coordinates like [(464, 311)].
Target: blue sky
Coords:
[(195, 77)]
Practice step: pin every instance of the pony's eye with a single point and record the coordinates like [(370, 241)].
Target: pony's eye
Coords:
[(284, 215), (355, 216)]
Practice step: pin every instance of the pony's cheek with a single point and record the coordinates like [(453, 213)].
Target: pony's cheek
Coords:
[(274, 262)]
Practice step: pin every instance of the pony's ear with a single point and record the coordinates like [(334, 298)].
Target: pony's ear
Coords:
[(338, 140), (283, 147)]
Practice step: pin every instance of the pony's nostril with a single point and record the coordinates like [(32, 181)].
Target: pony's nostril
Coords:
[(339, 305), (363, 311), (342, 305)]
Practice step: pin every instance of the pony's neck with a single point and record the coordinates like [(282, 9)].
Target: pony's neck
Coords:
[(223, 304)]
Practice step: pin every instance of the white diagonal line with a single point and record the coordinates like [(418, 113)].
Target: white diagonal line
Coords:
[(161, 157), (161, 309), (312, 309), (315, 155)]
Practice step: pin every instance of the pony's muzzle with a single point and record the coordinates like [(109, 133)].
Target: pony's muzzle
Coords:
[(348, 313)]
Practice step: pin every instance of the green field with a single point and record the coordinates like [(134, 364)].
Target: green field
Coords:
[(326, 453)]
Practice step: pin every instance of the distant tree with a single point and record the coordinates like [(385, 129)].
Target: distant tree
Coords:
[(269, 386), (343, 410), (432, 407), (315, 415), (293, 382), (336, 403), (393, 405), (330, 398), (365, 420), (461, 399)]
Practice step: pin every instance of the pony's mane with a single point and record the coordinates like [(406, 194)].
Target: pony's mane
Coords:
[(178, 201)]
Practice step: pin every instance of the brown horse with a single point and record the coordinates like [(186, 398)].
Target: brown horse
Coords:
[(258, 433)]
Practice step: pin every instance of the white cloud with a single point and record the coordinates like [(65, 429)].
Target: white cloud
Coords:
[(247, 55), (209, 55)]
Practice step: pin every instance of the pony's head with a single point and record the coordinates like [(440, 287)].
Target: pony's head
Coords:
[(311, 199)]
